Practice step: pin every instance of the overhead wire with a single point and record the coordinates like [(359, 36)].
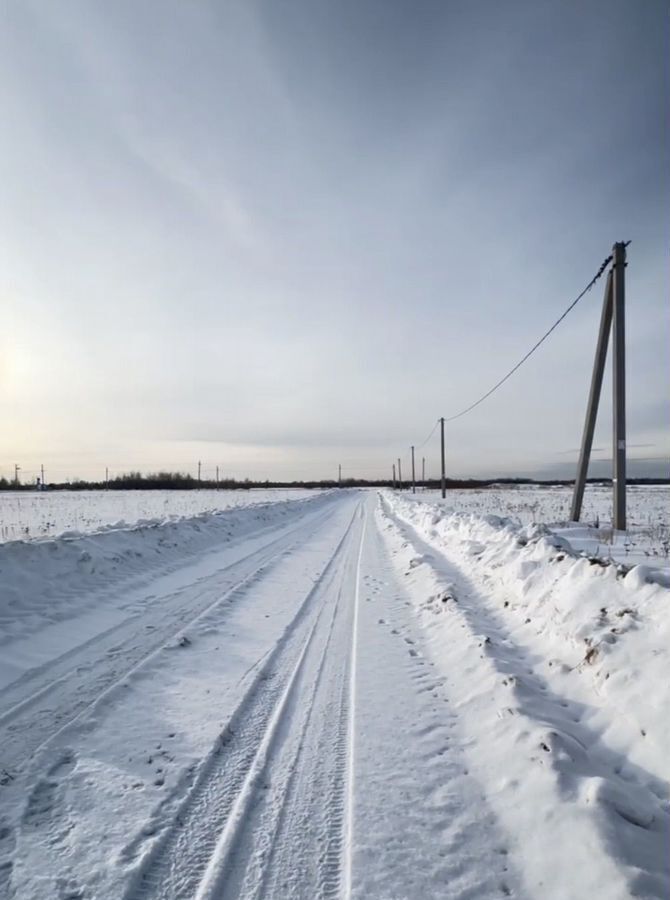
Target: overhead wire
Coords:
[(535, 346), (432, 432), (527, 356)]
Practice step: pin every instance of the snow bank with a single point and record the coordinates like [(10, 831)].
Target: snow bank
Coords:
[(32, 515), (560, 665), (646, 540), (606, 624), (47, 583)]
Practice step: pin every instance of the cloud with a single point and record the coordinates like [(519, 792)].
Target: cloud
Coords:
[(304, 226)]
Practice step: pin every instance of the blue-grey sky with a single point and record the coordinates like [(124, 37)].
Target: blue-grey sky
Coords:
[(275, 236)]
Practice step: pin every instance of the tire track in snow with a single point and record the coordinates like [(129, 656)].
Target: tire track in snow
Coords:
[(69, 658), (190, 858), (306, 855), (351, 772), (38, 725)]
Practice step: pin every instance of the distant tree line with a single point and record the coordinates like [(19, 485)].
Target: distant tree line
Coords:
[(137, 481)]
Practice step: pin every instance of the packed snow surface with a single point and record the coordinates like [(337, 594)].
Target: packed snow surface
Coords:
[(353, 694)]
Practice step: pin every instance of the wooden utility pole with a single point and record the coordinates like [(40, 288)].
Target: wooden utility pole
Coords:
[(612, 318), (217, 476), (17, 469), (394, 484), (199, 468), (619, 385), (106, 477), (42, 476), (339, 475), (413, 473), (399, 475), (423, 471), (443, 482)]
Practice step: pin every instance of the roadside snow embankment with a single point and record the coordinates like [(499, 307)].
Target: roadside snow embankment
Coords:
[(35, 515), (606, 625), (560, 665), (46, 584)]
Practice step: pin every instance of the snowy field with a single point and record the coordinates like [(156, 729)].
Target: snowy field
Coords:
[(27, 515), (646, 540), (348, 694)]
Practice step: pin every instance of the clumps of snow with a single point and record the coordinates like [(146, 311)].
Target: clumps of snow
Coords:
[(646, 541), (179, 641), (592, 615), (633, 806), (560, 664)]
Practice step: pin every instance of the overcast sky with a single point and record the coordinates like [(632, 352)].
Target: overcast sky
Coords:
[(276, 236)]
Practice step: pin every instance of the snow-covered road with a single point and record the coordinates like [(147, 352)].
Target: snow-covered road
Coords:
[(322, 703)]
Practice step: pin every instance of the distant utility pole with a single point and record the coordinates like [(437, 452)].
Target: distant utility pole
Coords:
[(17, 469), (42, 475), (199, 468), (423, 470), (339, 475), (394, 485), (443, 482), (107, 476), (399, 475), (413, 473), (217, 476), (612, 319)]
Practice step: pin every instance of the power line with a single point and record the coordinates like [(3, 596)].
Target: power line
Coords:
[(432, 432), (532, 350)]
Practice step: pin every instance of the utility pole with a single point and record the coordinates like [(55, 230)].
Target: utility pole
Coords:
[(217, 476), (393, 476), (413, 473), (612, 318), (17, 469), (399, 475), (339, 475), (42, 476), (423, 471), (107, 477), (443, 476), (199, 468), (594, 399), (619, 386)]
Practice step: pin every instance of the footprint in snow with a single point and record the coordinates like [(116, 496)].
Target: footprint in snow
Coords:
[(43, 802)]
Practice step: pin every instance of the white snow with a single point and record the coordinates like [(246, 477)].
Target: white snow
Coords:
[(354, 694), (29, 515), (646, 539), (560, 667), (100, 579)]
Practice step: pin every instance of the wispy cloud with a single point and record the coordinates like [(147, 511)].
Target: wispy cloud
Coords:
[(301, 226)]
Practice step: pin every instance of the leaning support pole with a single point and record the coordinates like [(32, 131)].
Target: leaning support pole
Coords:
[(594, 397), (619, 386)]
